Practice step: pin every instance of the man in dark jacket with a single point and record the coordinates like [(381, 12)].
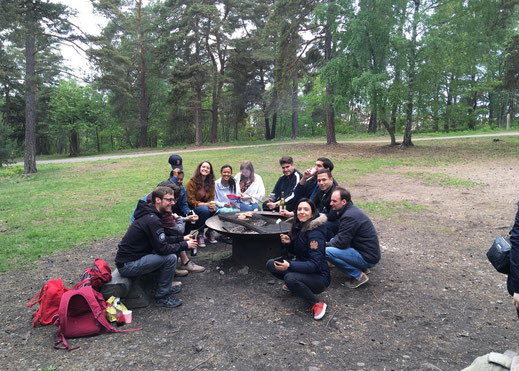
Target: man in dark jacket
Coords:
[(285, 185), (307, 186), (513, 277), (355, 247), (145, 247)]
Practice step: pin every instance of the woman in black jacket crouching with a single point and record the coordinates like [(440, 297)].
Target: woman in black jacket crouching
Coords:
[(308, 274)]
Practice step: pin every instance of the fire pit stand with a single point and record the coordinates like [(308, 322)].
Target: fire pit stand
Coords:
[(255, 239)]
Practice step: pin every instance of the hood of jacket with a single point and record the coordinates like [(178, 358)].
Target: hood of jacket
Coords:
[(317, 222), (144, 208)]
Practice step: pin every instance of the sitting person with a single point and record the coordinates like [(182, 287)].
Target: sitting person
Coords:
[(175, 225), (307, 186), (326, 185), (251, 186), (284, 186), (355, 247), (513, 278), (308, 274), (200, 197), (226, 185), (145, 248)]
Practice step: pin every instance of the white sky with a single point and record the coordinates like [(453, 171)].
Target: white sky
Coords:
[(88, 22)]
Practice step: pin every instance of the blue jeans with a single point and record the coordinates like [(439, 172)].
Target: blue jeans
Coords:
[(247, 207), (203, 213), (347, 260), (164, 265)]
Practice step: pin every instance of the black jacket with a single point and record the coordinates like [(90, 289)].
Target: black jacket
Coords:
[(146, 236), (357, 231), (309, 189), (309, 249), (513, 277), (322, 200), (287, 184)]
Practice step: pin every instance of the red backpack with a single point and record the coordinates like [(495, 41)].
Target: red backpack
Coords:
[(97, 275), (48, 298), (82, 312)]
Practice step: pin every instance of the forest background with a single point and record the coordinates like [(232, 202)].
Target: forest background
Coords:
[(180, 72)]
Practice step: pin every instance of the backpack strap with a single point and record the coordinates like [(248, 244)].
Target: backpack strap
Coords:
[(38, 295), (60, 338)]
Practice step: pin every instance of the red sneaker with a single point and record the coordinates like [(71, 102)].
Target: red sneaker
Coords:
[(319, 309)]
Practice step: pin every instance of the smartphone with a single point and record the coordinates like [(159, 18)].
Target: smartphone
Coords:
[(279, 259)]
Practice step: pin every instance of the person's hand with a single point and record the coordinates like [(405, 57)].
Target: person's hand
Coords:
[(192, 244), (244, 196), (286, 214), (175, 172), (285, 238), (191, 218), (516, 300), (175, 216), (272, 205), (281, 266), (189, 237), (307, 174), (212, 206)]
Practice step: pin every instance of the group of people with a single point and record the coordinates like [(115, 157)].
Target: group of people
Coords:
[(327, 228)]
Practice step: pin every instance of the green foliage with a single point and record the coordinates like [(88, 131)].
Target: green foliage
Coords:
[(6, 145)]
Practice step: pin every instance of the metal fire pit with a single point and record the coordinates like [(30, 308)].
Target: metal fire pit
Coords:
[(254, 239)]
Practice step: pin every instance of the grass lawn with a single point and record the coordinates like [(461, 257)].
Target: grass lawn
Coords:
[(71, 205)]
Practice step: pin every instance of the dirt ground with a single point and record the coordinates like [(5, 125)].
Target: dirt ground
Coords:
[(432, 303)]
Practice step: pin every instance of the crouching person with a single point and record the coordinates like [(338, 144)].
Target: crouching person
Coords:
[(145, 249), (308, 274), (355, 248)]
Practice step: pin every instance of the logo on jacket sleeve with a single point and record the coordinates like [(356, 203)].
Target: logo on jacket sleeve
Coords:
[(161, 235), (314, 245)]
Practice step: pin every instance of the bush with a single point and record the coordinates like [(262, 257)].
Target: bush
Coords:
[(6, 146)]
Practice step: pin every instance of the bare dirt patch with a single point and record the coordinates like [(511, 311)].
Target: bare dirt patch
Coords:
[(433, 302)]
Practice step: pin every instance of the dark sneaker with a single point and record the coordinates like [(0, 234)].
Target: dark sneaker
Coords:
[(319, 309), (175, 290), (285, 288), (353, 284), (168, 302)]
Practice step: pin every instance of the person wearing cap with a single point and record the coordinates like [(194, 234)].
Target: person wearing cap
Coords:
[(284, 186)]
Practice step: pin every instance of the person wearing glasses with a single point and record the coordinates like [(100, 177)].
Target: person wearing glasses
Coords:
[(145, 248)]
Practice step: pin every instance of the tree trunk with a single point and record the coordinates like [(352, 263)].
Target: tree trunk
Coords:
[(330, 116), (29, 159), (274, 123), (372, 126), (143, 101), (267, 124), (98, 145), (410, 84), (295, 108), (74, 144), (274, 106), (198, 115)]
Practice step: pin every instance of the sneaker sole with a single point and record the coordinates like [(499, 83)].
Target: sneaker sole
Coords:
[(356, 286), (322, 313), (168, 306)]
